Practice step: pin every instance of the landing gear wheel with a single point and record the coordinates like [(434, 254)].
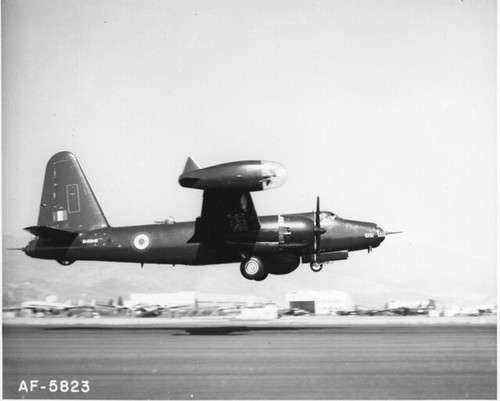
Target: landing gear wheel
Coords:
[(316, 267), (262, 278), (253, 269), (65, 262)]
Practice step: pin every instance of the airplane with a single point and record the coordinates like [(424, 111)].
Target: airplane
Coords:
[(71, 225), (45, 307), (146, 310)]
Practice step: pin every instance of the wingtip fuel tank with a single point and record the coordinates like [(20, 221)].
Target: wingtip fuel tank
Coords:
[(249, 175)]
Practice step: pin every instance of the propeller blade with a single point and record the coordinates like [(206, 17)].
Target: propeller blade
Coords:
[(317, 212), (317, 231)]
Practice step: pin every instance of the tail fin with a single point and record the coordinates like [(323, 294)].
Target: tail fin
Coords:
[(68, 202)]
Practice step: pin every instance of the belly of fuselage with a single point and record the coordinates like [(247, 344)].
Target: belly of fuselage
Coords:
[(159, 243)]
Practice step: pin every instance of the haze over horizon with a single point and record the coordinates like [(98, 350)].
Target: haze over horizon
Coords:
[(385, 109)]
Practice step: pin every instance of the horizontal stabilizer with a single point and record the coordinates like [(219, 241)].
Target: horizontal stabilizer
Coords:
[(52, 233), (191, 165)]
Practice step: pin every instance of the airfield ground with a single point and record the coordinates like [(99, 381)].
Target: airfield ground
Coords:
[(283, 322), (290, 358)]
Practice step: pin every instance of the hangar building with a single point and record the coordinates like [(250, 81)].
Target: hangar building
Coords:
[(325, 302)]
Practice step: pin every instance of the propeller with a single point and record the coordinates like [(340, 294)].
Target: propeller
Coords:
[(318, 230)]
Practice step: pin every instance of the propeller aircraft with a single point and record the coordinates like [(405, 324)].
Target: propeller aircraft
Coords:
[(71, 225)]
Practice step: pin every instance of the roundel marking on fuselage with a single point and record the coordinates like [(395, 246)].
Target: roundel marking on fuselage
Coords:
[(141, 242)]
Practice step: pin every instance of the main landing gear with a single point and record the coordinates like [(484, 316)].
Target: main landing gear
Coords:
[(65, 262), (253, 269)]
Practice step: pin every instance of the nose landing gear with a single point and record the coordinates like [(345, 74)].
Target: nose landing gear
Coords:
[(316, 267)]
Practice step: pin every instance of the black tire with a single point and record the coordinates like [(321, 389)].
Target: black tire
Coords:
[(65, 262), (253, 268), (316, 267), (262, 278)]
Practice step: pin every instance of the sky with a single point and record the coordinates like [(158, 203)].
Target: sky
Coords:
[(386, 109)]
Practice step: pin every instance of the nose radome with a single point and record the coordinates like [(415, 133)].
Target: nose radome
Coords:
[(380, 232)]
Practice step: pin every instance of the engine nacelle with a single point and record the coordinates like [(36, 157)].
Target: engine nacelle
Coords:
[(282, 263), (250, 175)]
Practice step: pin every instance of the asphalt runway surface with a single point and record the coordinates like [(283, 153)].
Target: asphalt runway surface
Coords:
[(342, 362)]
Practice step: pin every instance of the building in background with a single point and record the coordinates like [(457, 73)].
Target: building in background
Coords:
[(325, 302)]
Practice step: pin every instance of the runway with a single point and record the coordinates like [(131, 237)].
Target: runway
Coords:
[(341, 362)]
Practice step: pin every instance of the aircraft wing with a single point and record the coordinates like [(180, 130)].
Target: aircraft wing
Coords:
[(224, 213)]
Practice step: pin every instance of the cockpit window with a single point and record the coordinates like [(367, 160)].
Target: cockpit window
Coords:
[(326, 216)]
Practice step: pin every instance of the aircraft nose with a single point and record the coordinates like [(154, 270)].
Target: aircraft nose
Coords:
[(378, 235), (29, 249)]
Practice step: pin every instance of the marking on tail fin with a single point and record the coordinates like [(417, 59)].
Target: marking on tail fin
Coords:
[(60, 215), (73, 196)]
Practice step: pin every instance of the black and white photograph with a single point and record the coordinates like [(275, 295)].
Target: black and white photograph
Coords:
[(249, 199)]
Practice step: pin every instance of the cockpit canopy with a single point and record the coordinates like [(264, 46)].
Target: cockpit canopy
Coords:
[(326, 216)]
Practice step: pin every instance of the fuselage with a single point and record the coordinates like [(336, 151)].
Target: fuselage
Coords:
[(172, 243)]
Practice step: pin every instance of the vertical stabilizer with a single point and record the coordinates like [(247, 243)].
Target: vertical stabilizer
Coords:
[(68, 202)]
